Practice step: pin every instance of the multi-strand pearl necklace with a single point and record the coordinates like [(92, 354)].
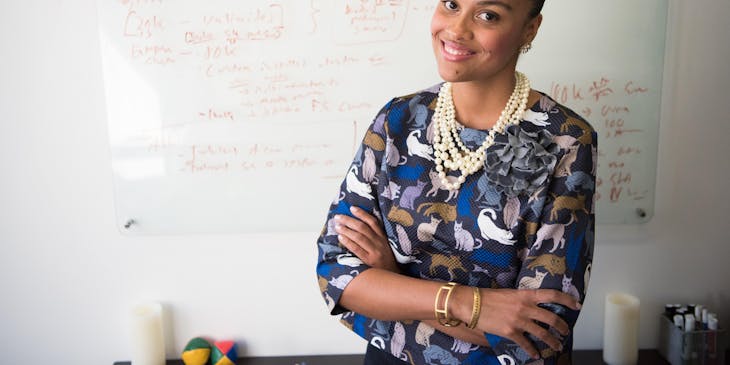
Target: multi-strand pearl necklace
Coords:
[(450, 152)]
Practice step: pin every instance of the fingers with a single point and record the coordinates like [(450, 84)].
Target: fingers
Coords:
[(350, 231), (353, 246), (543, 335), (526, 345), (525, 316), (557, 297), (354, 228), (369, 219)]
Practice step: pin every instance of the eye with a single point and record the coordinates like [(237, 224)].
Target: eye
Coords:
[(488, 16), (450, 5)]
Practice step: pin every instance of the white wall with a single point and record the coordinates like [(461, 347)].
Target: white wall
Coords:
[(68, 278)]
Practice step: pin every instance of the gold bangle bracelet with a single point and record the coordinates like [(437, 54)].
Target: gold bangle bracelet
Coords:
[(476, 308), (442, 314)]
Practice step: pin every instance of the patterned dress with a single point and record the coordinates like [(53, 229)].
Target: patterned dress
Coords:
[(524, 221)]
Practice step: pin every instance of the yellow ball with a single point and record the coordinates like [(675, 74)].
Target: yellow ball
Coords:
[(196, 357)]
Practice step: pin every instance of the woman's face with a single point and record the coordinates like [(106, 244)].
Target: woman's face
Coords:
[(475, 40)]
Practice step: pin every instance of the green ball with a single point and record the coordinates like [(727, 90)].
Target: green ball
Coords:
[(196, 352)]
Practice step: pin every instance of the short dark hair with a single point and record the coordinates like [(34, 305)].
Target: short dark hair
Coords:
[(536, 7)]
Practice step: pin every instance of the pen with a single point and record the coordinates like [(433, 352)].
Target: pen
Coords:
[(712, 340), (688, 352)]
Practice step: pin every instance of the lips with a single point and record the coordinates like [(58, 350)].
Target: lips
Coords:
[(456, 52)]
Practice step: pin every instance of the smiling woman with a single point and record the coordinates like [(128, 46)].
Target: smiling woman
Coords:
[(461, 234)]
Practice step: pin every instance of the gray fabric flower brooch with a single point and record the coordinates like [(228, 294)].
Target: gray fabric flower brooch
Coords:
[(522, 161)]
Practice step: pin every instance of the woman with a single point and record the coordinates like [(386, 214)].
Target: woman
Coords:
[(463, 231)]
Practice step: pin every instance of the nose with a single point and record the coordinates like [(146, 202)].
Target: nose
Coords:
[(459, 28)]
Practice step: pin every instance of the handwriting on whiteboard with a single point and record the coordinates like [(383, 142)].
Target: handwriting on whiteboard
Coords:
[(617, 131), (255, 65)]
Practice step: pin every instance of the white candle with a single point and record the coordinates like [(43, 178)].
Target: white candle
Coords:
[(148, 344), (621, 329)]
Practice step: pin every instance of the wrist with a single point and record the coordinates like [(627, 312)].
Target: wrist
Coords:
[(461, 306)]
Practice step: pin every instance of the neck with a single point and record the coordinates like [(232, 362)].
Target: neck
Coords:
[(478, 104)]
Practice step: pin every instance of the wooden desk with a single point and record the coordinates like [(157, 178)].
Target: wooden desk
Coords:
[(580, 357)]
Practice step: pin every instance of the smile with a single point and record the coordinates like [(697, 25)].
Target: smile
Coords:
[(455, 52)]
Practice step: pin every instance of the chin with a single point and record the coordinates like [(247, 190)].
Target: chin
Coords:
[(454, 76)]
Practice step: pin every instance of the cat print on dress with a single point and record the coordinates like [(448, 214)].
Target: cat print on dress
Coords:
[(369, 166), (452, 224), (580, 180), (423, 334), (554, 264), (401, 258), (480, 269), (530, 282), (506, 360), (392, 155), (435, 355), (563, 168), (339, 198), (514, 355), (464, 239), (403, 240), (398, 342), (594, 158), (430, 132), (537, 118), (381, 328), (400, 216), (570, 203), (462, 347), (341, 281), (437, 185), (451, 263), (487, 193), (329, 250), (426, 231), (416, 148), (472, 136), (555, 232), (536, 201), (348, 259), (419, 113), (569, 288), (374, 141), (411, 193), (565, 141), (356, 186), (506, 279), (511, 212), (490, 230), (586, 137), (445, 211), (391, 191), (378, 342), (330, 302)]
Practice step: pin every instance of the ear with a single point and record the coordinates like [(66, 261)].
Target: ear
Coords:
[(531, 29)]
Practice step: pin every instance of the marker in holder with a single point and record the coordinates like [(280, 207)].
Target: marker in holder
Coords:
[(690, 346)]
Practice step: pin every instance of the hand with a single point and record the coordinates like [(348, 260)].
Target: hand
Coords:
[(512, 314), (365, 238)]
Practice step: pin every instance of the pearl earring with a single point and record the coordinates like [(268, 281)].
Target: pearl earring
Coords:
[(526, 48)]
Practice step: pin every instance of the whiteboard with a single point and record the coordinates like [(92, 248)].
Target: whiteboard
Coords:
[(231, 116)]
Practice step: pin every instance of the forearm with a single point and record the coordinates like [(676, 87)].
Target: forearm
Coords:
[(389, 296)]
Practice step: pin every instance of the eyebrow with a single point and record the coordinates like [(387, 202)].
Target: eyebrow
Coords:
[(495, 2)]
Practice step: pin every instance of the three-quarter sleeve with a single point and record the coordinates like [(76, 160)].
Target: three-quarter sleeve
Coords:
[(560, 254), (336, 265)]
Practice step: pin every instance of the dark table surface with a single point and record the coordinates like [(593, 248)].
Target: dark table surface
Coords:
[(580, 357)]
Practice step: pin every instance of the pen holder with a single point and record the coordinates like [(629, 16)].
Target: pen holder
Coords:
[(693, 347)]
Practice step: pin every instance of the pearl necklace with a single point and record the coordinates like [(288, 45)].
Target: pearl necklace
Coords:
[(450, 152)]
